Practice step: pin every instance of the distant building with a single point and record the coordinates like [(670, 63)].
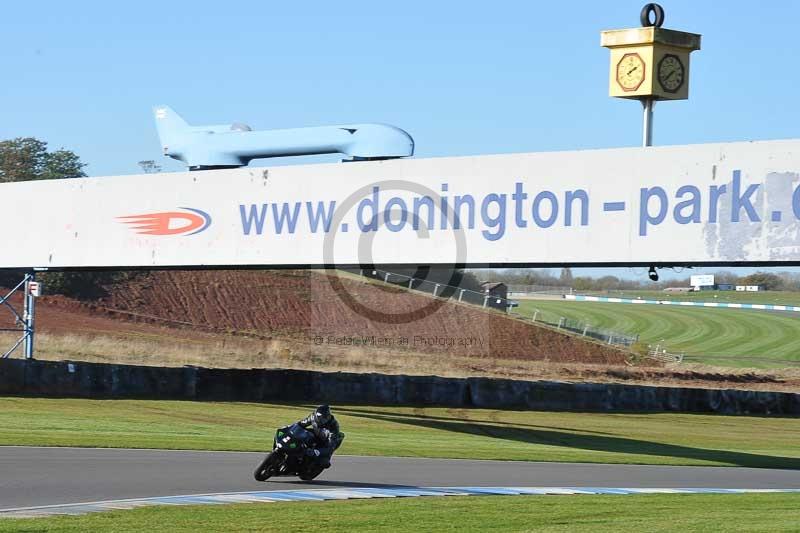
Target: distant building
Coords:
[(497, 293), (749, 288), (725, 287), (678, 289), (702, 282)]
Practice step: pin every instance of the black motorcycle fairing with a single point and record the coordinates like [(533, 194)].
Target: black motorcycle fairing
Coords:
[(289, 457)]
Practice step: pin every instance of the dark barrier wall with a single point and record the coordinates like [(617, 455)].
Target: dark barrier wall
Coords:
[(93, 380)]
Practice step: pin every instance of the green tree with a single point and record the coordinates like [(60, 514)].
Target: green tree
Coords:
[(770, 282), (27, 158), (83, 285)]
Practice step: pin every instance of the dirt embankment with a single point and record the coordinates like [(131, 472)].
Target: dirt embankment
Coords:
[(306, 306), (299, 319)]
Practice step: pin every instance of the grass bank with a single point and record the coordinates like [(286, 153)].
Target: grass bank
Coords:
[(668, 513), (723, 337), (663, 438), (761, 297)]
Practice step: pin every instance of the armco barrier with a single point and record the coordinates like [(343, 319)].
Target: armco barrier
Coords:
[(94, 380)]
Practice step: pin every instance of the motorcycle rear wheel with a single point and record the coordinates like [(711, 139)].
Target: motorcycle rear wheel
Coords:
[(266, 469)]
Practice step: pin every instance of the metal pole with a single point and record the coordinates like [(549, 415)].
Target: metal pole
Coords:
[(647, 127), (27, 316)]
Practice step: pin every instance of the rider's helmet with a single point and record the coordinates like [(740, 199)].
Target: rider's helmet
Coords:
[(322, 415)]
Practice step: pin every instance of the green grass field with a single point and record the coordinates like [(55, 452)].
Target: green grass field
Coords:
[(765, 297), (657, 513), (663, 438), (725, 337)]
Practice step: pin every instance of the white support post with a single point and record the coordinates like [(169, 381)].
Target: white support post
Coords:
[(460, 295), (28, 315), (647, 126)]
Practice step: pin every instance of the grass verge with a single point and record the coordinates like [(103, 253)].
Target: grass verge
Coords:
[(725, 337), (761, 297), (740, 512), (652, 438)]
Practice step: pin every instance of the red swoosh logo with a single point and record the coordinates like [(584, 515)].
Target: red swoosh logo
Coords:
[(166, 223)]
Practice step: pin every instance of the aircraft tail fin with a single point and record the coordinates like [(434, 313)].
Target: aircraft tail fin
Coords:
[(169, 125)]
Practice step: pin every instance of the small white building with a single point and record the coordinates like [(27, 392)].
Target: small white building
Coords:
[(749, 288), (702, 282)]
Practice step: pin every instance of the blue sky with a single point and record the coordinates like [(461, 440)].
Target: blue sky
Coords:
[(461, 77)]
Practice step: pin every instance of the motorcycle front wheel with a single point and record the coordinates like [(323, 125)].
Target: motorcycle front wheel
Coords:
[(266, 469)]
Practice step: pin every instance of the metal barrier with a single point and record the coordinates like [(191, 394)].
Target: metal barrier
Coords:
[(660, 353), (440, 290), (538, 290), (584, 329), (485, 300)]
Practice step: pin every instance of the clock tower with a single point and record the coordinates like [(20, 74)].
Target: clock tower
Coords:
[(649, 63)]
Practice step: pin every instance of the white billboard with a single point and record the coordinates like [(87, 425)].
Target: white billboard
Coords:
[(702, 280), (700, 204)]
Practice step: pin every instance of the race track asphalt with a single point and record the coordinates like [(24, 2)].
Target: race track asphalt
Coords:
[(31, 476)]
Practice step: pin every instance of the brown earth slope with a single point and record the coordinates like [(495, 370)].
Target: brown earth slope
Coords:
[(299, 319), (308, 306)]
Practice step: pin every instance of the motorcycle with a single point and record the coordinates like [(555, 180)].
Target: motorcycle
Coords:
[(288, 456)]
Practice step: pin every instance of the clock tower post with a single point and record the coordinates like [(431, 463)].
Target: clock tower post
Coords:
[(649, 63)]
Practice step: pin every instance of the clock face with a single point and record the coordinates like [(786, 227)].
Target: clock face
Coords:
[(671, 73), (630, 72)]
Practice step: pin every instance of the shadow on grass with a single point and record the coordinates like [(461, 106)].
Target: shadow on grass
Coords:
[(349, 410), (580, 440)]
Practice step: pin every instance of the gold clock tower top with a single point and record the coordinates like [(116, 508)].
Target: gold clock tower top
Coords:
[(651, 62)]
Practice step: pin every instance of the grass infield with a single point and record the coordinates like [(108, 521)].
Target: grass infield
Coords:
[(721, 337), (668, 513), (662, 438), (761, 297)]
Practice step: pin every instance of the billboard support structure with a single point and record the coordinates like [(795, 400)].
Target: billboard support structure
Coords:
[(30, 289)]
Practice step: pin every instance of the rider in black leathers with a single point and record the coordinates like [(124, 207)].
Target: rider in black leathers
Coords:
[(325, 428)]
